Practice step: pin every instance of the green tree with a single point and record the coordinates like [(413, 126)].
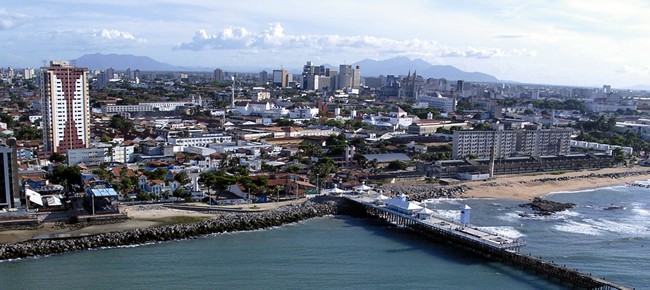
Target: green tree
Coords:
[(28, 133), (284, 122), (397, 165), (336, 144), (311, 149), (182, 177), (57, 158), (101, 173), (293, 169), (323, 167), (106, 139), (180, 192), (66, 176), (118, 122), (159, 174)]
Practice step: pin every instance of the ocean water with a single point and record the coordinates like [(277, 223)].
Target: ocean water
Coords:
[(352, 253)]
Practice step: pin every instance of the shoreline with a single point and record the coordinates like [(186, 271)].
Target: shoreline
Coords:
[(515, 187), (228, 222), (525, 188)]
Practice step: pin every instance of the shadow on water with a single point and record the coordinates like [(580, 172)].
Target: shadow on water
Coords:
[(413, 241)]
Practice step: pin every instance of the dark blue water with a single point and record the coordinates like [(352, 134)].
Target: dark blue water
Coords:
[(350, 253)]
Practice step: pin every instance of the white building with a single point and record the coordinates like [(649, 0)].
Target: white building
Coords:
[(98, 155), (439, 102), (303, 113), (202, 141), (507, 143), (203, 151), (110, 109), (165, 106), (66, 112), (260, 109), (640, 127)]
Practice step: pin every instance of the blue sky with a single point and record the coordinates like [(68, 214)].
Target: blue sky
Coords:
[(577, 42)]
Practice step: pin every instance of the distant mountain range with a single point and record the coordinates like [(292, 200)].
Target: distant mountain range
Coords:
[(402, 65), (369, 67), (124, 61)]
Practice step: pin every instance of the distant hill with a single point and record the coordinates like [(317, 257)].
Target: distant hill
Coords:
[(639, 88), (123, 61), (402, 65)]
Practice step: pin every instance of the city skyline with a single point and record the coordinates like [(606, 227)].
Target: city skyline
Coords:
[(553, 42)]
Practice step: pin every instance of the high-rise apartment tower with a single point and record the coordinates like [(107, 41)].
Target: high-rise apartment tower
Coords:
[(66, 114)]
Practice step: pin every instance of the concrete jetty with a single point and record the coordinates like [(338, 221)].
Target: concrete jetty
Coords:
[(480, 242)]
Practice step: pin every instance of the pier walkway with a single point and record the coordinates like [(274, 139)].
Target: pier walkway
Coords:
[(443, 226), (481, 242)]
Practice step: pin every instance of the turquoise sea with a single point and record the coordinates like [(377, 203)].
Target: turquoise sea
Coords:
[(606, 235)]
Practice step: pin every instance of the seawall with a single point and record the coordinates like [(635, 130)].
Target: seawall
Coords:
[(231, 222)]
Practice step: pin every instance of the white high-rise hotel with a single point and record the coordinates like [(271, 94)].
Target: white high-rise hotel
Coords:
[(66, 115)]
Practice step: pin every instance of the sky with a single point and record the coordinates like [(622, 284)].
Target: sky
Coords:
[(576, 42)]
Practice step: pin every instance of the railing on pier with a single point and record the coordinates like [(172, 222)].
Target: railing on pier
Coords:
[(487, 244)]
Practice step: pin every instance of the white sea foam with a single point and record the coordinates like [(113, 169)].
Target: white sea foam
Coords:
[(444, 201), (639, 209), (511, 216), (571, 226), (505, 231), (628, 229), (587, 190), (453, 215)]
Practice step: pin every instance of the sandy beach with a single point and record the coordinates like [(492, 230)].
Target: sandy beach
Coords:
[(520, 187), (517, 187)]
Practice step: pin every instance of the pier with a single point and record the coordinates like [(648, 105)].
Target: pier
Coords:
[(476, 240)]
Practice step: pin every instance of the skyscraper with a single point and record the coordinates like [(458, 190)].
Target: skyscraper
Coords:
[(8, 174), (218, 75), (280, 78), (66, 115), (349, 77)]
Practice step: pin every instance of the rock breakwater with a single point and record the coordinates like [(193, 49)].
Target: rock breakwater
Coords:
[(615, 175), (420, 192), (230, 222)]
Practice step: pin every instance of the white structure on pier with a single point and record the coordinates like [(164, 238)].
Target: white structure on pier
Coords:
[(400, 204), (464, 215)]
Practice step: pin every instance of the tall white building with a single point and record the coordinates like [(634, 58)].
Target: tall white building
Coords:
[(28, 73), (66, 114)]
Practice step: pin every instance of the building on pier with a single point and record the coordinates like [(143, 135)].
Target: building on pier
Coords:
[(401, 205)]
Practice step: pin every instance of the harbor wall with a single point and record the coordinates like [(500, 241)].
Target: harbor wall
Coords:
[(229, 222)]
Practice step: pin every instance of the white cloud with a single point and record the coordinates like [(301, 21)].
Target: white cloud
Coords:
[(274, 37), (94, 39), (112, 34), (636, 70), (109, 36), (472, 52), (8, 20)]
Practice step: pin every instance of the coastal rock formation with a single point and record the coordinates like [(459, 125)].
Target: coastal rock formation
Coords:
[(420, 192), (615, 175), (225, 223), (547, 207)]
